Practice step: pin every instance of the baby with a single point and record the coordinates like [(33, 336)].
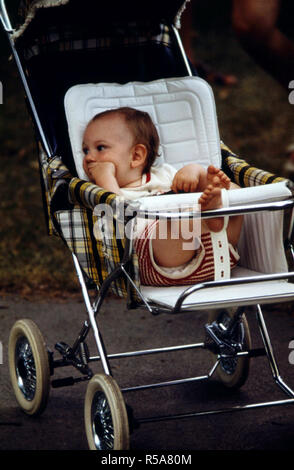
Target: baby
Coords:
[(120, 147)]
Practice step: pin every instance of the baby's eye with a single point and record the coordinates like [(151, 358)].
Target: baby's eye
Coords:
[(100, 148), (85, 151)]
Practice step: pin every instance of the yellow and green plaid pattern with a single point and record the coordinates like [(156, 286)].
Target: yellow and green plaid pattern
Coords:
[(78, 226), (242, 173)]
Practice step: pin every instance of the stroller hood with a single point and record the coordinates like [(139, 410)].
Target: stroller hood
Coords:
[(37, 12)]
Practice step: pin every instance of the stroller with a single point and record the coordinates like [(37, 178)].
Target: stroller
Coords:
[(53, 50)]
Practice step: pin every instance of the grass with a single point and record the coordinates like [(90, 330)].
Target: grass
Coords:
[(30, 260), (254, 119)]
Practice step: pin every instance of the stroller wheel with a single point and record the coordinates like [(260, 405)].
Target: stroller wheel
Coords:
[(106, 418), (233, 371), (29, 366)]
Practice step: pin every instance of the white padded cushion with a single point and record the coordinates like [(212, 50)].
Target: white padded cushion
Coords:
[(182, 109)]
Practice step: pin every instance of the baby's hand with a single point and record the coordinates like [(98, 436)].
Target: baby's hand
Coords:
[(103, 174), (187, 178), (99, 171)]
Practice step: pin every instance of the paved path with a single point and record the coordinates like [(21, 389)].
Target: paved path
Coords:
[(61, 426)]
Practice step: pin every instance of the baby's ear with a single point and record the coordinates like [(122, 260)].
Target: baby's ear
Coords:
[(139, 155)]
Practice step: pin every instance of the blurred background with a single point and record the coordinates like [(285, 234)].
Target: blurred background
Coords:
[(255, 121)]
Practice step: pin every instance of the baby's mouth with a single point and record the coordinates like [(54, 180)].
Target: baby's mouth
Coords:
[(90, 165)]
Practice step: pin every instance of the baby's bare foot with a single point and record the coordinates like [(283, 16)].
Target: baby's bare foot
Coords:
[(210, 199), (213, 172)]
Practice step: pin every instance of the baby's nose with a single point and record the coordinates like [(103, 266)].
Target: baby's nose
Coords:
[(89, 157)]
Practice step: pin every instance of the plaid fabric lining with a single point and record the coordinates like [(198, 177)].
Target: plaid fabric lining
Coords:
[(28, 8), (119, 36), (97, 258), (243, 174), (84, 232)]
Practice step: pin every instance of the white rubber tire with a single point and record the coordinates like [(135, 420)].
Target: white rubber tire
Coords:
[(28, 330), (111, 391)]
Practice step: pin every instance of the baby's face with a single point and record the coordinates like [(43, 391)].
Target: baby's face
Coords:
[(109, 139)]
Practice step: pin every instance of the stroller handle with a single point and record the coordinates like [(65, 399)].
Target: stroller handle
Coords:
[(5, 18)]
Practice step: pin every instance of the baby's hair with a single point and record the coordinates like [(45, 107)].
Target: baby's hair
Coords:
[(142, 128)]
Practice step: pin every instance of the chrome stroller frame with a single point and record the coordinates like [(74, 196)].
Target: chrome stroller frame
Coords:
[(221, 340)]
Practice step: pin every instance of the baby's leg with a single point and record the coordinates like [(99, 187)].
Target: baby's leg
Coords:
[(172, 250), (176, 248), (234, 229)]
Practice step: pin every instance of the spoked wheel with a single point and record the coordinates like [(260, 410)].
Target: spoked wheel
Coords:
[(232, 371), (29, 366), (106, 418)]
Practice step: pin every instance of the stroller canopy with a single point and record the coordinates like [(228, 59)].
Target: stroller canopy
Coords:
[(97, 12)]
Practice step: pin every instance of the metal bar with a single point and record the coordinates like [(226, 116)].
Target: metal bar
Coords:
[(270, 353), (229, 282), (236, 319), (172, 382), (145, 352), (283, 386), (91, 314), (291, 227), (292, 251), (30, 99), (182, 50), (5, 18), (81, 337), (165, 384), (267, 344), (251, 353), (214, 412), (223, 211), (130, 280), (104, 288), (130, 221)]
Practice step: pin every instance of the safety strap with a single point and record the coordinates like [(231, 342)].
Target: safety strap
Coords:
[(220, 245)]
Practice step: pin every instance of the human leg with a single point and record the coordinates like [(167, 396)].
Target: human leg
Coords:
[(175, 242)]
